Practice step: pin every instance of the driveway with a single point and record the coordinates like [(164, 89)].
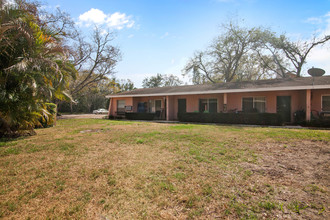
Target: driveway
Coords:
[(81, 116)]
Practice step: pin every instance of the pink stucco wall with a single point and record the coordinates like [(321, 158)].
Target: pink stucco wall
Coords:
[(297, 99), (317, 98), (192, 102), (234, 101), (113, 104)]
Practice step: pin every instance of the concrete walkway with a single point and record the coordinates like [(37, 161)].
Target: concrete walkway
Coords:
[(81, 116)]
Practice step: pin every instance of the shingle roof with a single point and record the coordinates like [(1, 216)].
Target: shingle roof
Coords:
[(299, 83)]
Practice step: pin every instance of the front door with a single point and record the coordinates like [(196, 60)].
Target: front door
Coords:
[(284, 107), (182, 106)]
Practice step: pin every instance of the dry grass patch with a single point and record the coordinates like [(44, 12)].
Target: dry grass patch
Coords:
[(94, 168)]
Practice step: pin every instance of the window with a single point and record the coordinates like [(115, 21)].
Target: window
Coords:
[(254, 104), (326, 103), (158, 105), (155, 105), (142, 107), (208, 105), (247, 105), (121, 105)]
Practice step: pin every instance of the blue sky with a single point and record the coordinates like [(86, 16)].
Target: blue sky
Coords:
[(159, 36)]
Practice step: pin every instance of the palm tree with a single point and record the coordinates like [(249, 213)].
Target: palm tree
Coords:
[(33, 67)]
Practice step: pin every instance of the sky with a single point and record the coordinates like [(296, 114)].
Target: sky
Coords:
[(159, 36)]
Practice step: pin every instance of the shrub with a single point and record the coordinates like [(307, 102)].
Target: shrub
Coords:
[(233, 118), (299, 116), (321, 122), (140, 116)]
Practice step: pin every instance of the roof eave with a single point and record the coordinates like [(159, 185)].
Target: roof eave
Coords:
[(287, 88)]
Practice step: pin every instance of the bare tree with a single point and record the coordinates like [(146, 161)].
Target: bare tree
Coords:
[(171, 80), (200, 67), (296, 52), (228, 58), (249, 54), (270, 57), (61, 22), (94, 60)]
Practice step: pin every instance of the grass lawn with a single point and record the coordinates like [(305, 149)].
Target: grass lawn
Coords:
[(102, 169)]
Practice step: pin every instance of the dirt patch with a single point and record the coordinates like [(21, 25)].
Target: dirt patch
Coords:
[(302, 169), (307, 161), (90, 131)]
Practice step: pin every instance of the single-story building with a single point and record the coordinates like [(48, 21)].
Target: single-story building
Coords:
[(284, 97)]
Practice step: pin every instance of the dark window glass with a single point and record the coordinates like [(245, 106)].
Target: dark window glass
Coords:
[(213, 105), (208, 105), (247, 105), (203, 105), (325, 103), (142, 107)]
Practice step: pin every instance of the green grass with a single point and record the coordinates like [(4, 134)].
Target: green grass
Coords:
[(145, 170), (10, 150)]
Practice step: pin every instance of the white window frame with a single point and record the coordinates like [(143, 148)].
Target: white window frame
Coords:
[(118, 103), (208, 104), (253, 101), (322, 100), (152, 103)]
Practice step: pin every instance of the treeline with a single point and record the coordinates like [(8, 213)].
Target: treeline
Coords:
[(93, 97)]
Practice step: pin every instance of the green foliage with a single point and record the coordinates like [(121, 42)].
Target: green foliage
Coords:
[(49, 115), (267, 205), (297, 206), (153, 81), (94, 96), (161, 80), (32, 69)]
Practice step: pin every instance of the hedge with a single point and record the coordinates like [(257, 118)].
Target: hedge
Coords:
[(232, 118), (320, 122), (140, 116)]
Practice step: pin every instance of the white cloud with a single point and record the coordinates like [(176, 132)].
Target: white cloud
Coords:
[(165, 35), (314, 20), (319, 57), (131, 36), (93, 16), (321, 21), (116, 20), (327, 29)]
